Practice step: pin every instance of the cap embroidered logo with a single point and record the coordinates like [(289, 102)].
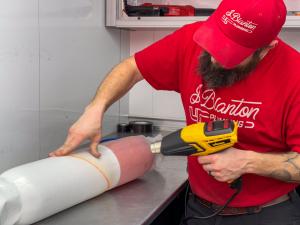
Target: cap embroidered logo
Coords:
[(234, 18)]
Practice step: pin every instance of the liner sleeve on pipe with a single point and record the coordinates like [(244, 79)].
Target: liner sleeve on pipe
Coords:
[(36, 190)]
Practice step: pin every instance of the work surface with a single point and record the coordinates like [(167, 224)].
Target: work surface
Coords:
[(134, 203)]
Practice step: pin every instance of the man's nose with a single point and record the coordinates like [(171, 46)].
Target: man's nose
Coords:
[(213, 61)]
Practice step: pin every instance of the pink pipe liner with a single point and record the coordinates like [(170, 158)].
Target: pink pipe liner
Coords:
[(134, 155)]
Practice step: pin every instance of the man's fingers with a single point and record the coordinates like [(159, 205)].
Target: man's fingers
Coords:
[(94, 146), (70, 144), (208, 168), (206, 159)]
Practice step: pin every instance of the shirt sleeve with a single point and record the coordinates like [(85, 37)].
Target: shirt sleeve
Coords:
[(159, 63)]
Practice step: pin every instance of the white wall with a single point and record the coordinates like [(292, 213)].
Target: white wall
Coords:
[(53, 54), (19, 82), (144, 101), (76, 53)]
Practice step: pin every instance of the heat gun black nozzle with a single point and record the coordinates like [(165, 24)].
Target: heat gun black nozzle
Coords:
[(173, 144)]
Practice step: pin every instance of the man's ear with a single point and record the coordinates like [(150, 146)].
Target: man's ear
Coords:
[(265, 51)]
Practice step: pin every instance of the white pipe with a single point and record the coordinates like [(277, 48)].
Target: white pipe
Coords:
[(34, 191)]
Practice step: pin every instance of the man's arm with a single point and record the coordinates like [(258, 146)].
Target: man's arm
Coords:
[(281, 166), (119, 81), (232, 163)]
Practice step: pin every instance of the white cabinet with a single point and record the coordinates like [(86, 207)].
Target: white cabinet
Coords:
[(116, 17)]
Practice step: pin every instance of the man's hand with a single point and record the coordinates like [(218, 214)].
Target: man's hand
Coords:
[(88, 126), (113, 87), (227, 165)]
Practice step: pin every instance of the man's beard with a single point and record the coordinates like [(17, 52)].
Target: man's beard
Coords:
[(214, 76)]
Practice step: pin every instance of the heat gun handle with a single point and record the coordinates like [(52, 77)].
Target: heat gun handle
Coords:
[(173, 144), (236, 184)]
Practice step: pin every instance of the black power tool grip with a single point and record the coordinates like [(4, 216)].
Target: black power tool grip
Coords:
[(172, 144)]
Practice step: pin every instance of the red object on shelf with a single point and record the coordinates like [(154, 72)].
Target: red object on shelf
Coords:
[(174, 10)]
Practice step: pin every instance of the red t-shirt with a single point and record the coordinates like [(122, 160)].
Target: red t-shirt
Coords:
[(266, 105)]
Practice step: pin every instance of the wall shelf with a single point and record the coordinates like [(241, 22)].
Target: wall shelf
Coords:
[(176, 22), (115, 17)]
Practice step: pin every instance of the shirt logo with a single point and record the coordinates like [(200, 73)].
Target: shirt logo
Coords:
[(234, 18), (206, 105)]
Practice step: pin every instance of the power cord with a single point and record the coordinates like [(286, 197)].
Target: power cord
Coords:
[(237, 184)]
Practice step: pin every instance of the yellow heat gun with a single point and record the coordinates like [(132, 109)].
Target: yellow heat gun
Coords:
[(198, 139)]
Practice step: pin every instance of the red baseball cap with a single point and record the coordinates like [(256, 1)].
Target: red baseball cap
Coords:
[(238, 28)]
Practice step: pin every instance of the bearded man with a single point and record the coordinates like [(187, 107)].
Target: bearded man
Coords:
[(232, 66)]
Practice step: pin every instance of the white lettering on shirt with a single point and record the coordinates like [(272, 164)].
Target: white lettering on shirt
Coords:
[(205, 104)]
